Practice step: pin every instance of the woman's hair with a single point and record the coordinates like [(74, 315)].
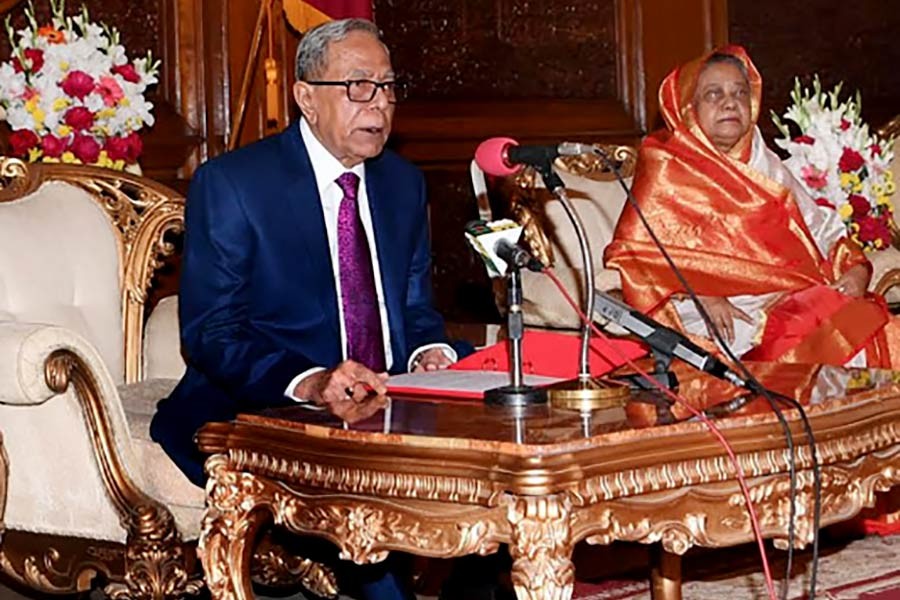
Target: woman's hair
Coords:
[(717, 58)]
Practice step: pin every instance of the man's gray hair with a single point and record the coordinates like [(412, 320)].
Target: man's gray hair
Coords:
[(313, 48)]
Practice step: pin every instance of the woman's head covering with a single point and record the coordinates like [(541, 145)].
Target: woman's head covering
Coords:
[(730, 228), (676, 99)]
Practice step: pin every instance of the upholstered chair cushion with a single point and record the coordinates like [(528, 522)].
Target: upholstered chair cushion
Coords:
[(599, 204), (162, 345), (60, 263), (165, 481)]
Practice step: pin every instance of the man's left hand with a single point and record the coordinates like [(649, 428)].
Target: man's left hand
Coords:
[(432, 359)]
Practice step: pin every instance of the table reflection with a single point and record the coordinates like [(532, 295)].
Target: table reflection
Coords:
[(810, 385)]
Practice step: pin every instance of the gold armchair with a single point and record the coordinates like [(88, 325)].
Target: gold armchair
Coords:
[(89, 497)]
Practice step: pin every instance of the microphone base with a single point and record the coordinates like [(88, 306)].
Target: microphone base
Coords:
[(515, 395), (588, 394)]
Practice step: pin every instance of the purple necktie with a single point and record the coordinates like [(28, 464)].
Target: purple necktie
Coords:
[(362, 320)]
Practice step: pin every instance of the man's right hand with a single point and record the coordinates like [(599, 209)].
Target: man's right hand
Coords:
[(723, 314), (350, 381)]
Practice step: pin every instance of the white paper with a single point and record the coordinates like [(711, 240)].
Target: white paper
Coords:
[(472, 382)]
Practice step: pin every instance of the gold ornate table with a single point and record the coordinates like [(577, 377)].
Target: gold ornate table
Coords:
[(449, 478)]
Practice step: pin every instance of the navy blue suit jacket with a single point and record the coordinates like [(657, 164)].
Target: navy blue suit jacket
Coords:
[(258, 305)]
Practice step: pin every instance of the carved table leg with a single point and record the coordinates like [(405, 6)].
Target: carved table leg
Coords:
[(665, 575), (230, 526), (541, 548)]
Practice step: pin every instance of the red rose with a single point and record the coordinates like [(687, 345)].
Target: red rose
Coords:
[(22, 140), (805, 139), (860, 206), (875, 149), (79, 118), (127, 72), (78, 84), (135, 147), (871, 229), (851, 160), (85, 148), (845, 124), (53, 146), (117, 148), (36, 56)]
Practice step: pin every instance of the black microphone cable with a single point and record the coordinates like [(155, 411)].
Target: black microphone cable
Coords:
[(754, 384), (817, 484)]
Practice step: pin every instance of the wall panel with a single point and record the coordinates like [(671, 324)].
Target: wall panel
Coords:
[(854, 42), (541, 71)]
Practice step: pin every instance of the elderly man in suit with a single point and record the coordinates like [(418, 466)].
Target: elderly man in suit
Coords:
[(306, 273)]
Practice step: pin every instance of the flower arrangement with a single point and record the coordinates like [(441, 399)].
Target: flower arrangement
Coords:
[(839, 162), (70, 93)]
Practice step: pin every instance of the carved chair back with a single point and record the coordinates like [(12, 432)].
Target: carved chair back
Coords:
[(78, 248), (587, 177), (598, 198)]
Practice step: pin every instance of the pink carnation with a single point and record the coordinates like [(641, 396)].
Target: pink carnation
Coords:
[(52, 146), (22, 140), (110, 90), (135, 147), (813, 177), (86, 149), (117, 148), (79, 118), (78, 84), (860, 206), (127, 72), (850, 161)]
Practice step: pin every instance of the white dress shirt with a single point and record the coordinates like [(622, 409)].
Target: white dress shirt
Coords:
[(327, 169)]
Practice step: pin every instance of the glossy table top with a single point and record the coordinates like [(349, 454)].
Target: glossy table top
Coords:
[(820, 389)]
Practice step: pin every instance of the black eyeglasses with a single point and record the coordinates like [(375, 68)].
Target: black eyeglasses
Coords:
[(364, 90)]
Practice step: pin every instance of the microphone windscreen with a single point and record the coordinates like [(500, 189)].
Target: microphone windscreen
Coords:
[(490, 156)]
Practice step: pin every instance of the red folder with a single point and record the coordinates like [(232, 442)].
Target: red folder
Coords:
[(555, 354)]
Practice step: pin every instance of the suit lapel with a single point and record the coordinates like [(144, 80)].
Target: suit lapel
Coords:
[(385, 225), (301, 195)]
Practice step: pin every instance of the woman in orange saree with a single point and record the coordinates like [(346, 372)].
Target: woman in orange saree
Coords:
[(776, 272)]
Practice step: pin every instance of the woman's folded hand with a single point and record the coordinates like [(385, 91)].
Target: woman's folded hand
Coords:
[(723, 313), (854, 282)]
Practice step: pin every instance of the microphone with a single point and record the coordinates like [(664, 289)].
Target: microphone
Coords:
[(516, 255), (496, 243), (662, 339), (503, 156)]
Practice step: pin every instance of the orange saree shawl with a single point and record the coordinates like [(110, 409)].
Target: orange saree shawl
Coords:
[(732, 230)]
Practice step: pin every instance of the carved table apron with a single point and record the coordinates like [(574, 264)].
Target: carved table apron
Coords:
[(449, 478)]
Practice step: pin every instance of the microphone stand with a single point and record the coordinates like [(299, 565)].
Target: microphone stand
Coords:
[(583, 393), (516, 394)]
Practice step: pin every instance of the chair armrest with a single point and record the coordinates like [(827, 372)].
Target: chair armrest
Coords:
[(24, 348), (888, 279), (65, 435)]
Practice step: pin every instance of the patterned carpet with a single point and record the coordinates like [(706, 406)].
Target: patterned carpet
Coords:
[(863, 569)]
